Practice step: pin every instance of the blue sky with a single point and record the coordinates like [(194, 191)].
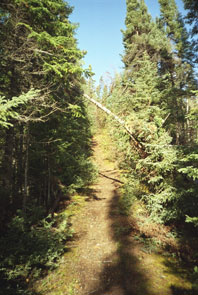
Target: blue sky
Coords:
[(99, 32)]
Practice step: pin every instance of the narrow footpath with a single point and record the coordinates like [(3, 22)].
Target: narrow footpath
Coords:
[(104, 258)]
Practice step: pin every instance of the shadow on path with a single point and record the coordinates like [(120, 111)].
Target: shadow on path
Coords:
[(121, 273)]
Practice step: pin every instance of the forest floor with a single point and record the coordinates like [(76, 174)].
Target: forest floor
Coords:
[(107, 256)]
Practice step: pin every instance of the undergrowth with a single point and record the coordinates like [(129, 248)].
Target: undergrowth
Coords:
[(30, 247)]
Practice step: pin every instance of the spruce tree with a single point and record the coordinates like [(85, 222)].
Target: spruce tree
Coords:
[(179, 67), (192, 19), (142, 104), (192, 16), (141, 35), (175, 30), (38, 50), (155, 104), (44, 135)]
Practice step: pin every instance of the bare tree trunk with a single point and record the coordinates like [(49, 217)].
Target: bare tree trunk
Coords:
[(187, 121), (26, 189), (49, 183), (177, 134), (19, 163)]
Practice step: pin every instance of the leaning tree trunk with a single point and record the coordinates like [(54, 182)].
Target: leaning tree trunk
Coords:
[(137, 144)]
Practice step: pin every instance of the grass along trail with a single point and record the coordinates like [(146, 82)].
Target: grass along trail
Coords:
[(106, 257)]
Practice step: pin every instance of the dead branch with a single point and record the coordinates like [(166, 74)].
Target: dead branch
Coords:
[(41, 51)]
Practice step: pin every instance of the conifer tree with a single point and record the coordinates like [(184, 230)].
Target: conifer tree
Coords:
[(142, 104), (182, 104), (141, 35), (192, 19), (151, 97), (38, 50), (175, 30), (192, 16), (44, 135), (179, 69)]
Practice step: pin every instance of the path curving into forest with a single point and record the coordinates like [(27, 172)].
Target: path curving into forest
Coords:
[(105, 258)]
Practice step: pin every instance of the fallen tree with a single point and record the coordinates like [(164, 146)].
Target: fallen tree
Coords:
[(138, 145)]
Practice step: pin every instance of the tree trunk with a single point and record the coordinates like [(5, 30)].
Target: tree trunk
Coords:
[(26, 188), (138, 145)]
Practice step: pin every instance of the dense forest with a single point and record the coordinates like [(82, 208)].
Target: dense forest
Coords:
[(156, 95), (46, 129), (45, 134)]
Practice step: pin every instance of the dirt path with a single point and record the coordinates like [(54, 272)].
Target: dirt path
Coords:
[(105, 258), (98, 248)]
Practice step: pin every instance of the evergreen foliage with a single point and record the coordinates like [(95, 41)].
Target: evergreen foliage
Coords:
[(38, 50), (192, 19), (31, 245), (154, 97), (45, 138), (192, 16), (141, 35), (179, 69), (7, 107)]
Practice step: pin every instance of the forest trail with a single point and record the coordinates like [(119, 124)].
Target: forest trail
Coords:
[(105, 258)]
